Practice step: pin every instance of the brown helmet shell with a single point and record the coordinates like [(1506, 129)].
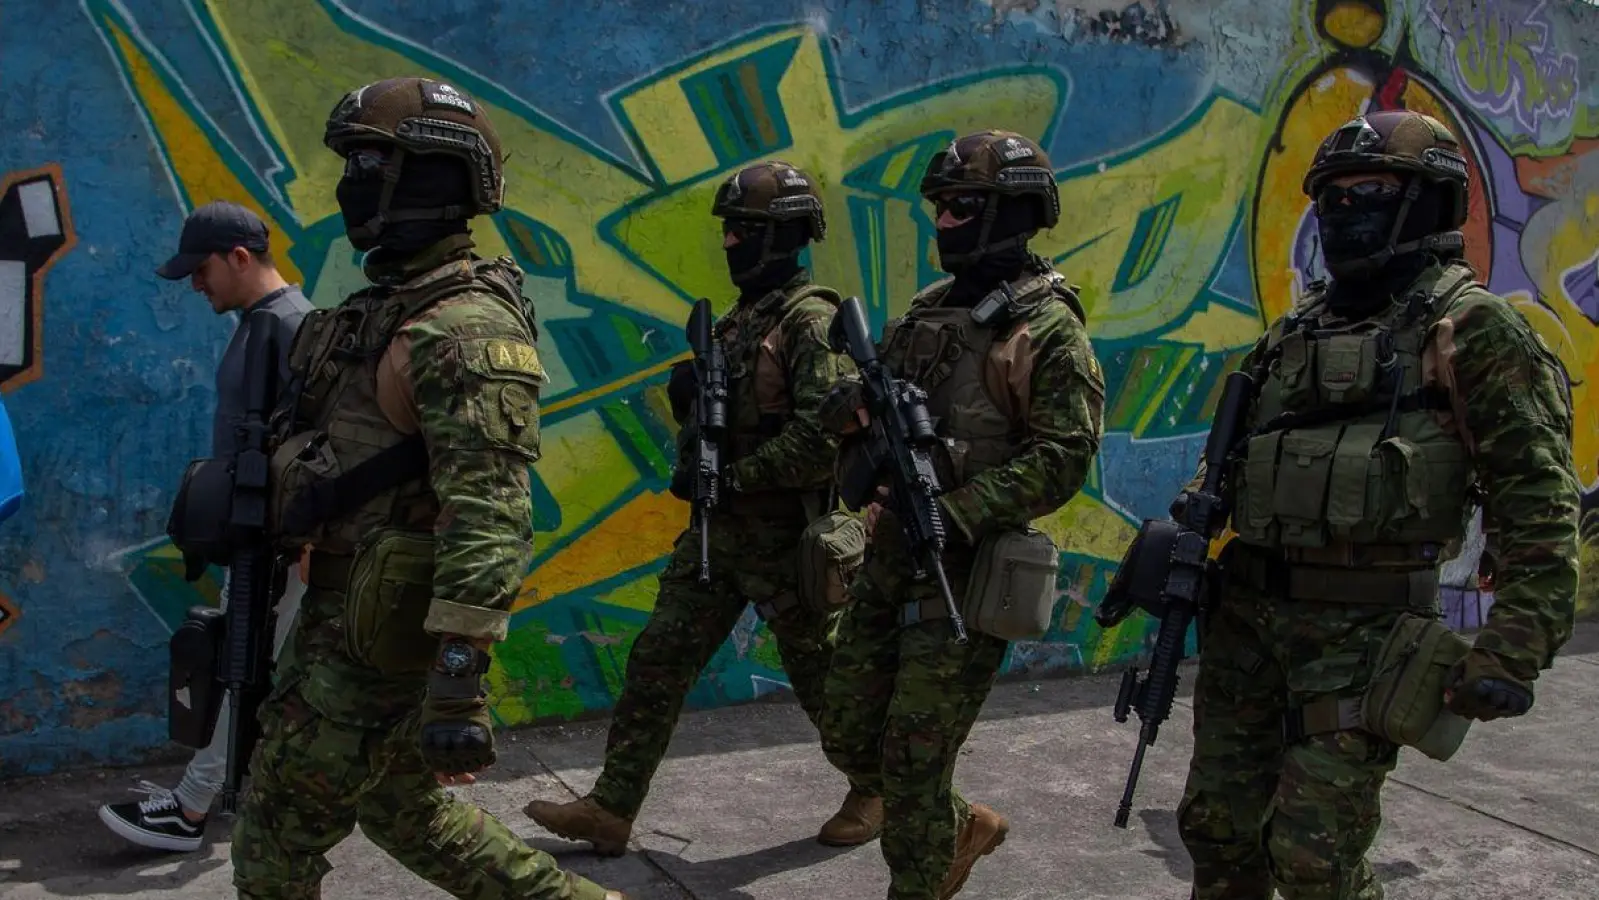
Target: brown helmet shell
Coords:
[(420, 115), (1398, 141), (1001, 162), (772, 190)]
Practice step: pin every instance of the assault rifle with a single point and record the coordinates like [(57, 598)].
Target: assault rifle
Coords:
[(221, 518), (710, 370), (899, 444), (1168, 574)]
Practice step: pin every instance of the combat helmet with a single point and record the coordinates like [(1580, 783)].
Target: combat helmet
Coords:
[(1426, 156), (996, 164), (770, 194), (421, 116), (1400, 141), (773, 191)]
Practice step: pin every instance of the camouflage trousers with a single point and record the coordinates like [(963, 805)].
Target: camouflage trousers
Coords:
[(751, 562), (901, 700), (1261, 812), (314, 778)]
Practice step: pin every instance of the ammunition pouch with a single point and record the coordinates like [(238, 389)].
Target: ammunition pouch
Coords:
[(831, 550), (390, 588), (194, 695), (1404, 701), (199, 523), (1011, 594)]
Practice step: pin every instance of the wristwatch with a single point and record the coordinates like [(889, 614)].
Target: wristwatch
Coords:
[(457, 659)]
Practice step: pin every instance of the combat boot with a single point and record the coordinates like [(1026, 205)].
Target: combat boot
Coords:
[(859, 820), (583, 820), (983, 832)]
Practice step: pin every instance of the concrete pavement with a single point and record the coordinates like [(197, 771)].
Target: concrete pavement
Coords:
[(734, 809)]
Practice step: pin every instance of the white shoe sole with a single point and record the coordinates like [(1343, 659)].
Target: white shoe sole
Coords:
[(151, 839)]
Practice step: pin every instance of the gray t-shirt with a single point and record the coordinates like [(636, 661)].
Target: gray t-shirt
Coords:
[(288, 307)]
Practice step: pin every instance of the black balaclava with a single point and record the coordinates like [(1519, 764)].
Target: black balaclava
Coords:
[(1351, 234), (756, 279), (426, 180), (975, 278)]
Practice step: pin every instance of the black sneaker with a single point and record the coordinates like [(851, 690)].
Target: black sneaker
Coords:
[(157, 823)]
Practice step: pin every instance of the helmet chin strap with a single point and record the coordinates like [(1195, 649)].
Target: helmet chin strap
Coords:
[(372, 229), (983, 248), (768, 241), (1369, 266)]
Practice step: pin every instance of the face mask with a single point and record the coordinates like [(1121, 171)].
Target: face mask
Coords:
[(358, 203), (1354, 223)]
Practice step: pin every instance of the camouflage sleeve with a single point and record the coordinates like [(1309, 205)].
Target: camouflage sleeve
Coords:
[(800, 456), (1065, 419), (1517, 409), (476, 377)]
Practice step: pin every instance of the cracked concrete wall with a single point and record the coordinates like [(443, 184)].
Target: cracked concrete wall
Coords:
[(1178, 129)]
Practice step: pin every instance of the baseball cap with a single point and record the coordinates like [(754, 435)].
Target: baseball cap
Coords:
[(216, 227)]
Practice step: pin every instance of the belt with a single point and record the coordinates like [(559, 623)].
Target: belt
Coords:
[(1333, 584), (1363, 555), (329, 571), (1321, 716)]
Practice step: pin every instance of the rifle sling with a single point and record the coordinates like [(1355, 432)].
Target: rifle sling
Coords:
[(390, 467)]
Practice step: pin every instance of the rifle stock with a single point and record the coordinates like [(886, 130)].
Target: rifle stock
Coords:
[(897, 444), (1168, 574), (710, 369)]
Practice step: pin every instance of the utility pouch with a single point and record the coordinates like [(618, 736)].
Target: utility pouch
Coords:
[(1011, 594), (194, 695), (1348, 365), (831, 550), (298, 466), (391, 587), (199, 522), (1404, 702)]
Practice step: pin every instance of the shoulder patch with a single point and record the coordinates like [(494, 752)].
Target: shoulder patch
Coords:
[(514, 357)]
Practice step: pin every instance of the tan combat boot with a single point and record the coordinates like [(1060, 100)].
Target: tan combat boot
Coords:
[(583, 820), (983, 832), (859, 820)]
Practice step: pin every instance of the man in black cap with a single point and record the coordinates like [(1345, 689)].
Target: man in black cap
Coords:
[(223, 252)]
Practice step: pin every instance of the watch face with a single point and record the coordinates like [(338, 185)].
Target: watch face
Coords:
[(457, 657)]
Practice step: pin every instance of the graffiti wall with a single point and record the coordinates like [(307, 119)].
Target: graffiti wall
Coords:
[(1179, 131)]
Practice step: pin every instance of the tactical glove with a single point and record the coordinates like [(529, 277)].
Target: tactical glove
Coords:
[(838, 412), (457, 733), (1481, 689), (681, 390)]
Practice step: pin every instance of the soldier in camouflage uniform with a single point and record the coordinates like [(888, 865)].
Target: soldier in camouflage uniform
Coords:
[(1017, 394), (403, 463), (776, 480), (1390, 402)]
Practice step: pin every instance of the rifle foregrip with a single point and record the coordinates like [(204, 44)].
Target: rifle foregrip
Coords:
[(1160, 688)]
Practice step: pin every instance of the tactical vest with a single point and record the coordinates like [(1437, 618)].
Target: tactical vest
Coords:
[(340, 470), (944, 350), (759, 396), (1347, 445)]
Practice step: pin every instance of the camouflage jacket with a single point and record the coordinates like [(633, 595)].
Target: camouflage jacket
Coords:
[(465, 375), (780, 366), (1509, 402)]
